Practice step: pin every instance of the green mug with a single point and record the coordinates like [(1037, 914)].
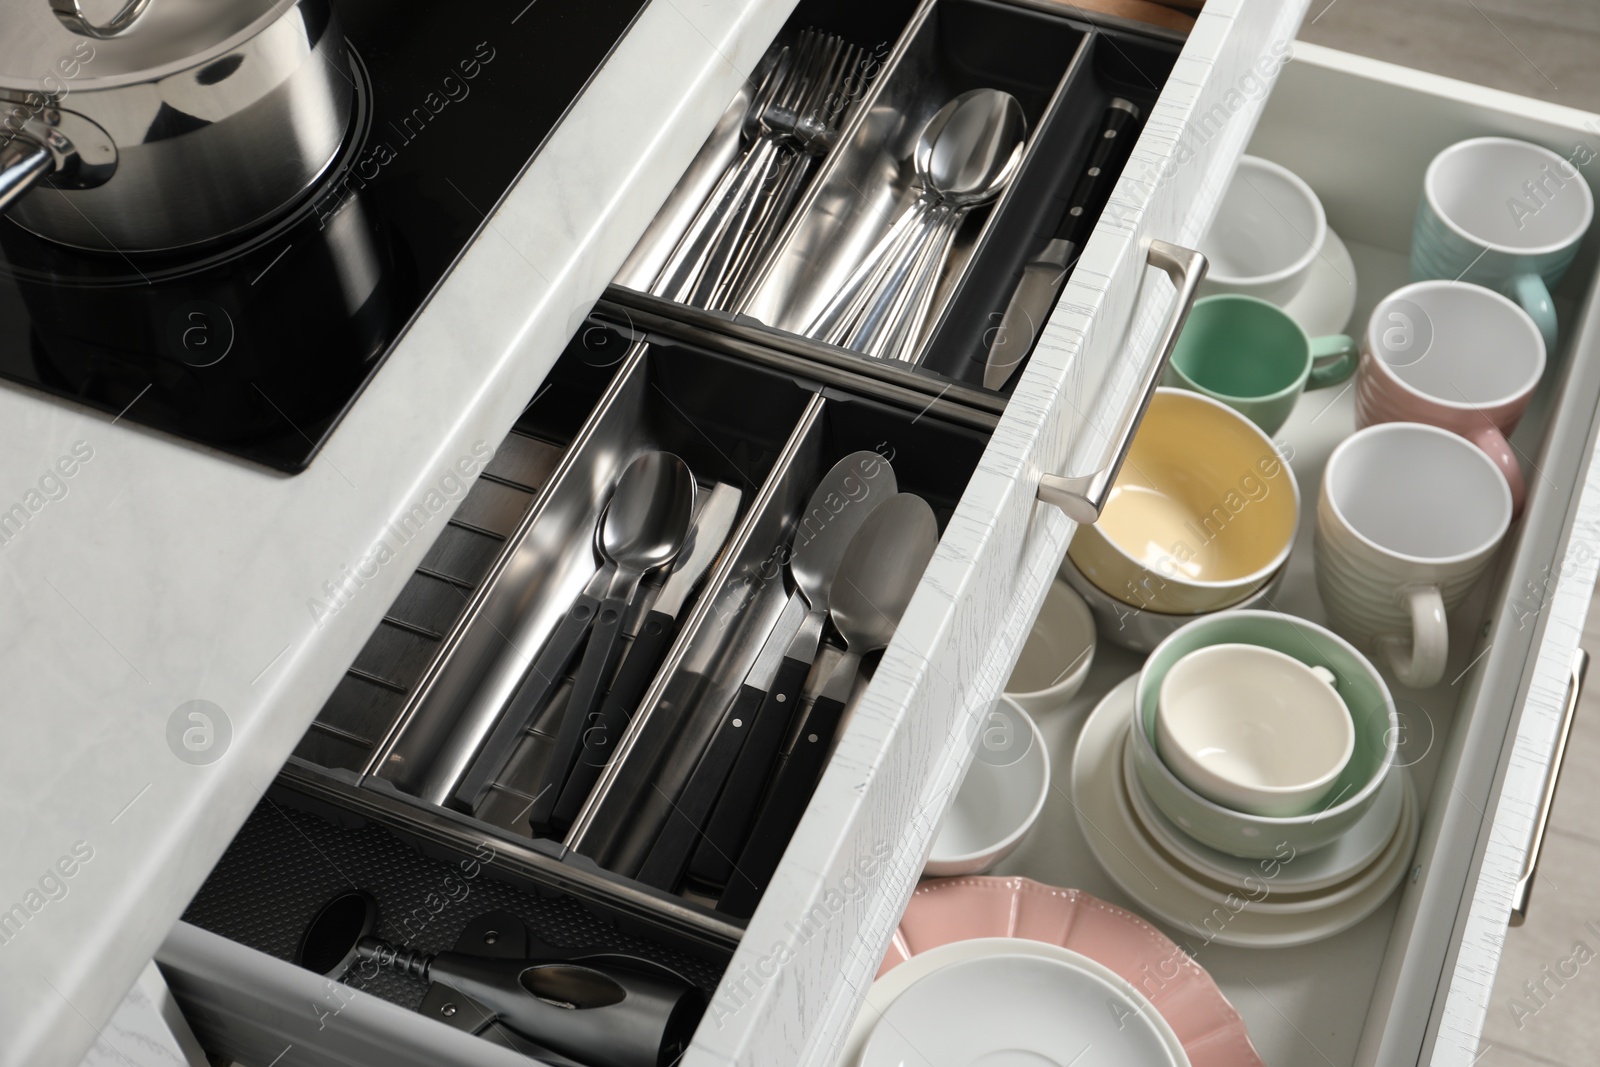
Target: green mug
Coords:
[(1250, 355)]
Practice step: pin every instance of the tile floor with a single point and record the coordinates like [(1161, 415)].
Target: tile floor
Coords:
[(1546, 49)]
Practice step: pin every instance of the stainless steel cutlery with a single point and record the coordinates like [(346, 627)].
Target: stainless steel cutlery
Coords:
[(1044, 275), (876, 577), (793, 120)]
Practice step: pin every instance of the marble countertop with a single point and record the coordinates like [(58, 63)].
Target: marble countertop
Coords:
[(166, 575)]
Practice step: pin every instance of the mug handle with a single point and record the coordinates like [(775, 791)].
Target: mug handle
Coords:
[(1333, 360), (1530, 291), (1496, 447), (1419, 663)]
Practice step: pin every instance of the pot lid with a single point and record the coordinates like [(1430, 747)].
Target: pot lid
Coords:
[(55, 46)]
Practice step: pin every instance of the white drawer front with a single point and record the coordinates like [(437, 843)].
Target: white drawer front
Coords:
[(820, 933)]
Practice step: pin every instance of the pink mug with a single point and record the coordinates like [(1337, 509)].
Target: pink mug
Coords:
[(1453, 355)]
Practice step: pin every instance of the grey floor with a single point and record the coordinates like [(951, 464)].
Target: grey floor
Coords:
[(1546, 1005)]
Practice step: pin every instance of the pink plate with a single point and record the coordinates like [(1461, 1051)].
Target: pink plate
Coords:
[(955, 909)]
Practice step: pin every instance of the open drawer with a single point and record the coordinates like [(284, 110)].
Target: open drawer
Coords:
[(1410, 981), (787, 997)]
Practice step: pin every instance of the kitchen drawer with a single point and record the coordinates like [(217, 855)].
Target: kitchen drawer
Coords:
[(1061, 68), (1409, 983), (817, 937)]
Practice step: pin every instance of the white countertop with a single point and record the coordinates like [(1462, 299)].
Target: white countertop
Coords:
[(168, 574)]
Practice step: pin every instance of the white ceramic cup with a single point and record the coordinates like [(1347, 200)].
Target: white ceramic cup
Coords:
[(1267, 234), (1409, 519), (1253, 729), (1454, 355)]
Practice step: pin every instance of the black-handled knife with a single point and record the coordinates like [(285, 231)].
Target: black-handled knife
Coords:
[(728, 827), (1045, 275), (533, 692), (712, 525), (787, 800), (669, 855)]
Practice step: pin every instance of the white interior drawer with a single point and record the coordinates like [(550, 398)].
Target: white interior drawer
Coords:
[(812, 947), (1410, 982)]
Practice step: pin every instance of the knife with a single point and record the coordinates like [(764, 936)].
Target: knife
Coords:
[(1045, 275), (600, 735), (669, 856)]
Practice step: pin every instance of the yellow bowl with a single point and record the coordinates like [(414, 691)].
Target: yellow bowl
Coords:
[(1202, 514)]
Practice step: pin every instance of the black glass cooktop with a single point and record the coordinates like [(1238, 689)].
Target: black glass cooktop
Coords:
[(260, 346)]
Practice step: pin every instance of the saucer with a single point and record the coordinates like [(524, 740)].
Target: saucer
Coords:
[(1162, 888), (1317, 869), (953, 916), (1020, 1006), (1327, 299)]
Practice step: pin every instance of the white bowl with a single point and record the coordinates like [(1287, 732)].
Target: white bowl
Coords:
[(1253, 729), (999, 800), (1057, 655)]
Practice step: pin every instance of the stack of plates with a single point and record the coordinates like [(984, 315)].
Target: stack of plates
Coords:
[(1009, 971), (1292, 899)]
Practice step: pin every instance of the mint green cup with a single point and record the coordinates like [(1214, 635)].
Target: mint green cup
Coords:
[(1250, 355), (1352, 794), (1504, 214)]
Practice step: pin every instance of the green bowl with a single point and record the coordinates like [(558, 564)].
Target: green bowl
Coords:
[(1255, 836)]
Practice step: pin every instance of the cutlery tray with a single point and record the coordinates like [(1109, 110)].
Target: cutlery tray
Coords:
[(1063, 73), (746, 418)]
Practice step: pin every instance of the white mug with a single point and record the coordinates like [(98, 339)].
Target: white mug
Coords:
[(1409, 519), (1268, 233)]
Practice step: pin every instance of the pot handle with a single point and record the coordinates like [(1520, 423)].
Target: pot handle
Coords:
[(22, 162), (70, 12)]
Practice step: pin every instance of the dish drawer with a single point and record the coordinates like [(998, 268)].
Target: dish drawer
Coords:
[(1409, 983)]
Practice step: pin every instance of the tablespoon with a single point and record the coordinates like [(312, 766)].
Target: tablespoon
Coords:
[(645, 525)]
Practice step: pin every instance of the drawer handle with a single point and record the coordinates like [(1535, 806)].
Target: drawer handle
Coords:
[(1082, 497), (1524, 888)]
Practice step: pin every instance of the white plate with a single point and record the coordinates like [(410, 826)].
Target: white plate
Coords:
[(1324, 304), (1263, 889), (983, 1022), (1159, 888), (1321, 868)]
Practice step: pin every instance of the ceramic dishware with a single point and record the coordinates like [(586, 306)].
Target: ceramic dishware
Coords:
[(1505, 214), (1320, 868), (1202, 515), (1265, 893), (1022, 1008), (960, 917), (1353, 792), (1253, 729), (1452, 355), (1141, 629), (1328, 299), (1057, 655), (1254, 357), (1000, 799), (1268, 233), (1409, 518), (1263, 914)]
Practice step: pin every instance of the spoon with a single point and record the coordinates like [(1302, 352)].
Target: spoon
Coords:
[(839, 506), (965, 155), (644, 527), (876, 579)]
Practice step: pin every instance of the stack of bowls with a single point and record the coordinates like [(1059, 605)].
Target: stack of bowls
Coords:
[(1238, 740), (1200, 520), (1251, 763)]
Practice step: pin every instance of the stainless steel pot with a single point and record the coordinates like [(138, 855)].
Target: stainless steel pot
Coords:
[(157, 124)]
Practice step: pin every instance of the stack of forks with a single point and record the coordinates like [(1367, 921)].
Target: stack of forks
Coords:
[(793, 122)]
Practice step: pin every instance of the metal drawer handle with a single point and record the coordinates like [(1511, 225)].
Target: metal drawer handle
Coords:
[(1081, 498), (1530, 868)]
